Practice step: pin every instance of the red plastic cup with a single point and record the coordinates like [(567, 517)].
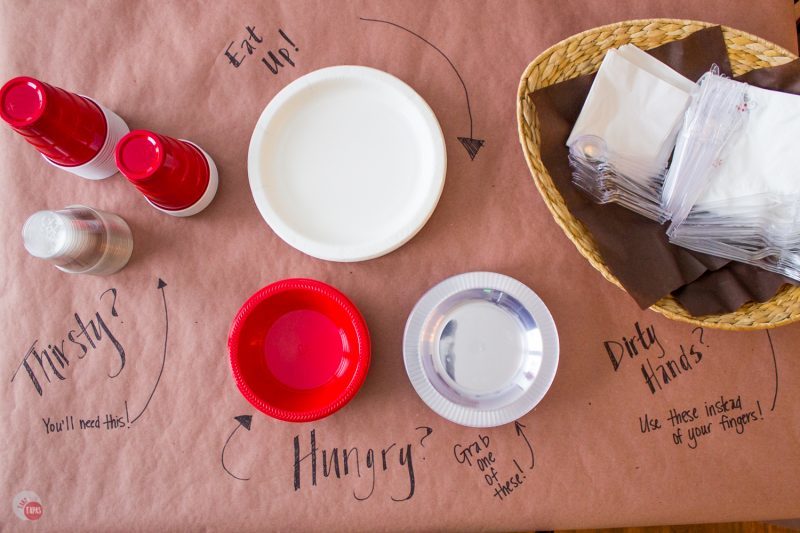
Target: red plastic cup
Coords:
[(175, 176), (71, 131), (299, 350)]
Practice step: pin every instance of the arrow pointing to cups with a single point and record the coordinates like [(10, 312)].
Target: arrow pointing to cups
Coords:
[(160, 286), (470, 144), (243, 421)]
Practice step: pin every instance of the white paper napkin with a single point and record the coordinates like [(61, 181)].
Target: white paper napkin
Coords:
[(762, 157), (636, 105), (645, 61)]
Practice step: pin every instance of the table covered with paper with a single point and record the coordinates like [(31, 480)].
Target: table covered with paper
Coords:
[(140, 427)]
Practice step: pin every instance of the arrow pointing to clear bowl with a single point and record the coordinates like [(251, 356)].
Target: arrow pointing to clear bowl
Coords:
[(520, 433)]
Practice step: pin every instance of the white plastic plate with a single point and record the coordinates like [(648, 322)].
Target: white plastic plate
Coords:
[(347, 163), (481, 349)]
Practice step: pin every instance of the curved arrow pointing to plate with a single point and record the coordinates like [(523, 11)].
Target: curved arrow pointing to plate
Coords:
[(470, 144)]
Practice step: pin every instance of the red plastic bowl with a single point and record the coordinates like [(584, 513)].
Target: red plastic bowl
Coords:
[(299, 350)]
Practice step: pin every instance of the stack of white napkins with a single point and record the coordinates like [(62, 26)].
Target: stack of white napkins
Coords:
[(636, 105), (763, 157), (626, 131)]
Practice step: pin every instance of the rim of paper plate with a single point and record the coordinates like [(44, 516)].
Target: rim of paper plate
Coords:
[(391, 240), (458, 413)]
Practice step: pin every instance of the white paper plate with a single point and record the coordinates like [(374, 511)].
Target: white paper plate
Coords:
[(481, 349), (347, 163)]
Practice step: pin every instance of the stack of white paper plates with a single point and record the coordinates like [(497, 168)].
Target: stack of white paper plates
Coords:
[(347, 163)]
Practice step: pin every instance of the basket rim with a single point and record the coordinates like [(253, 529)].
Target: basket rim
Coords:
[(712, 320)]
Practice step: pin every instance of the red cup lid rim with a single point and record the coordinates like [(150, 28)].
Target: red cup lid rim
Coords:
[(126, 170), (20, 123), (362, 335)]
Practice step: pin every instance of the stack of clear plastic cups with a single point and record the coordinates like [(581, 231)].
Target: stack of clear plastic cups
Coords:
[(79, 240)]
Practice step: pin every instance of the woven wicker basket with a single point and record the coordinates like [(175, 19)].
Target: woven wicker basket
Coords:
[(581, 54)]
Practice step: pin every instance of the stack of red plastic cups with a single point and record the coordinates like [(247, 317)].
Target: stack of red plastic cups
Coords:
[(72, 132), (176, 176)]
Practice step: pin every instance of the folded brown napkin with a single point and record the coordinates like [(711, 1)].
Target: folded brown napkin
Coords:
[(637, 249)]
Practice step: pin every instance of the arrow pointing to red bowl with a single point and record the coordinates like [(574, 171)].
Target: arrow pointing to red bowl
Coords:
[(244, 422), (470, 144)]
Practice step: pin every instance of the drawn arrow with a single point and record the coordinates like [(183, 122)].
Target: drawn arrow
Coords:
[(518, 427), (160, 287), (775, 365), (244, 421), (470, 144)]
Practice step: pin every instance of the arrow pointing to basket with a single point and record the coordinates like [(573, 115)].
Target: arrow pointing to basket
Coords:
[(470, 144), (244, 422)]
